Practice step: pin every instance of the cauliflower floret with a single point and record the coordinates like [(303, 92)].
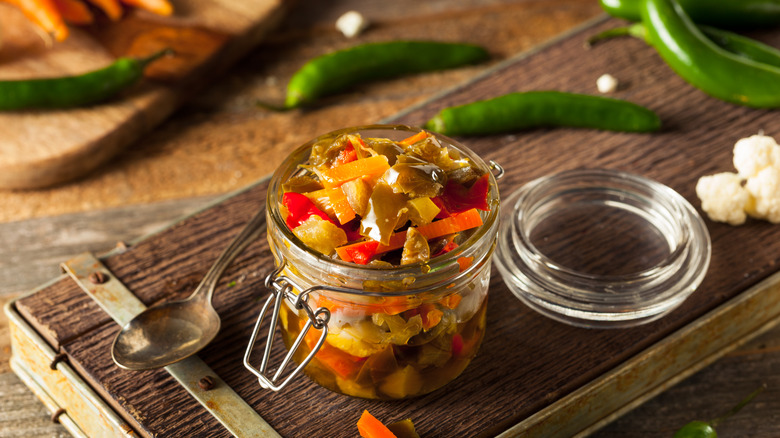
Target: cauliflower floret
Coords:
[(351, 24), (765, 190), (606, 83), (723, 197), (754, 153)]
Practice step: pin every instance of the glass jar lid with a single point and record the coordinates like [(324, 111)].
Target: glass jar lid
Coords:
[(601, 248)]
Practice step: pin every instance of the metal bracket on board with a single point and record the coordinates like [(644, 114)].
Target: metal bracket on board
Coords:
[(193, 374)]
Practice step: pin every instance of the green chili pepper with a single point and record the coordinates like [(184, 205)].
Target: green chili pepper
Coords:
[(703, 64), (339, 70), (706, 429), (734, 43), (516, 111), (721, 13), (73, 91)]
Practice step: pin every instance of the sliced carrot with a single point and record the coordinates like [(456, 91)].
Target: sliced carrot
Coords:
[(111, 8), (74, 12), (370, 427), (465, 262), (463, 221), (45, 15), (160, 7), (337, 202), (344, 211), (451, 301), (355, 169), (422, 135), (460, 222)]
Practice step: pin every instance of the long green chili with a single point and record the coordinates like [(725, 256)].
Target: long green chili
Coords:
[(732, 42), (73, 91), (517, 111), (720, 13), (703, 64), (337, 71)]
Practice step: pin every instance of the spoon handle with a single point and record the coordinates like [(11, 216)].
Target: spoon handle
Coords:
[(251, 231)]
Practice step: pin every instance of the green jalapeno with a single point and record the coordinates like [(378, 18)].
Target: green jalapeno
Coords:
[(721, 13), (339, 70), (73, 91), (706, 429), (712, 69), (730, 41), (516, 111)]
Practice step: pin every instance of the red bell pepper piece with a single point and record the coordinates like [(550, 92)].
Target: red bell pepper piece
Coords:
[(299, 208), (361, 254), (457, 198), (346, 155), (442, 208)]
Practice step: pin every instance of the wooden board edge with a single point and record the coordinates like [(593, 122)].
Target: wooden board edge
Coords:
[(679, 355), (57, 385)]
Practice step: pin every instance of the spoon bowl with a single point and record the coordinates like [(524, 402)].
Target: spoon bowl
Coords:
[(169, 332)]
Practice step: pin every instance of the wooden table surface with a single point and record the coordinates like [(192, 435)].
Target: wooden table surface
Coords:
[(220, 142)]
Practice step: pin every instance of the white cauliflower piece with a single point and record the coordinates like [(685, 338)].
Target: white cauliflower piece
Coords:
[(351, 24), (606, 83), (723, 197), (765, 190), (755, 153)]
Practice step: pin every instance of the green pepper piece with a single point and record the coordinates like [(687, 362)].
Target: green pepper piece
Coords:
[(706, 429), (74, 91), (383, 211), (386, 147), (403, 429), (337, 71), (703, 64), (516, 111), (416, 248), (721, 13), (430, 150), (730, 41), (416, 179)]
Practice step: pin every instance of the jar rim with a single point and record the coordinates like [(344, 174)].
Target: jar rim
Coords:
[(587, 299), (432, 266)]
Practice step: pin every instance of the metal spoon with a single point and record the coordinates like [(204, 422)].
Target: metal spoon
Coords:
[(170, 332)]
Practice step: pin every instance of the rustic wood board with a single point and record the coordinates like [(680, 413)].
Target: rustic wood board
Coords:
[(527, 361), (39, 148)]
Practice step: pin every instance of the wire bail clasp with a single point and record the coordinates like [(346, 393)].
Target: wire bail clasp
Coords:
[(281, 288)]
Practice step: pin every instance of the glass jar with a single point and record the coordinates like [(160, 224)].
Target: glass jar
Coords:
[(387, 332)]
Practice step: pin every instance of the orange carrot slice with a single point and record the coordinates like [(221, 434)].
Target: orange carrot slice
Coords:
[(159, 7), (74, 12), (460, 222), (45, 15), (370, 427), (451, 301), (336, 200), (355, 169), (415, 138)]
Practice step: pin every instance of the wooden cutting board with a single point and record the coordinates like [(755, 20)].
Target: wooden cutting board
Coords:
[(39, 148)]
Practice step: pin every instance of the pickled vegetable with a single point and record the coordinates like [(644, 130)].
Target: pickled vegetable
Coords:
[(376, 189), (384, 203)]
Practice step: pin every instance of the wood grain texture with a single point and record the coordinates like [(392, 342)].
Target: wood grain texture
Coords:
[(40, 148), (527, 361), (32, 250)]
